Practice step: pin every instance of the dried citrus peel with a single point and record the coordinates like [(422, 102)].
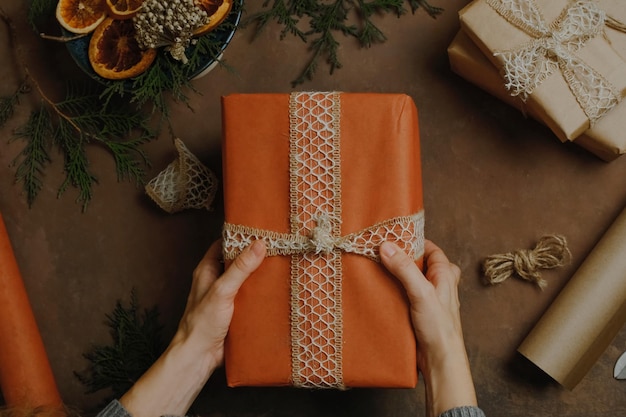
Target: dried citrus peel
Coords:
[(124, 9), (80, 16), (114, 52), (217, 10)]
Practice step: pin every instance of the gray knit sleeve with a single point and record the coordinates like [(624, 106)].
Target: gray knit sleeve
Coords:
[(114, 409), (466, 411)]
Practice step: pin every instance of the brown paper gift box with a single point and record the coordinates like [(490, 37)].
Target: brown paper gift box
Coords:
[(558, 107), (605, 140), (380, 179)]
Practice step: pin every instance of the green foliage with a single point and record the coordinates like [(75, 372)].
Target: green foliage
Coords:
[(40, 11), (136, 343), (8, 103), (327, 19), (71, 126), (33, 158)]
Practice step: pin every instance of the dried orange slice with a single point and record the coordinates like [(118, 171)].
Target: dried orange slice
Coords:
[(80, 16), (114, 52), (217, 10), (124, 9)]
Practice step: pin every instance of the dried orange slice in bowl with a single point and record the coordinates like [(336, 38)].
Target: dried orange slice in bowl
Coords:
[(123, 9), (81, 16), (114, 53), (217, 10), (97, 62)]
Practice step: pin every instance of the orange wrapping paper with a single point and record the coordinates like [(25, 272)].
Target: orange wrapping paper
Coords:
[(380, 179), (26, 378)]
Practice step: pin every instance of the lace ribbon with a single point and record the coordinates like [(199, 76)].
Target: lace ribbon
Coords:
[(553, 47), (315, 244), (406, 231)]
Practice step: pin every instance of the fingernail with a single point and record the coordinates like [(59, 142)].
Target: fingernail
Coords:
[(387, 249)]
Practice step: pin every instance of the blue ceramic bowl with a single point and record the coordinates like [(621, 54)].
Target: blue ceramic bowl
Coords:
[(79, 48)]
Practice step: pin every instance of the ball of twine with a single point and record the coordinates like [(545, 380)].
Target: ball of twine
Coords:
[(550, 252)]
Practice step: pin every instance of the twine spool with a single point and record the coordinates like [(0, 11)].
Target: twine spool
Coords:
[(550, 252)]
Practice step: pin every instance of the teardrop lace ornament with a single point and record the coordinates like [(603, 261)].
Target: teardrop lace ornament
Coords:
[(184, 184)]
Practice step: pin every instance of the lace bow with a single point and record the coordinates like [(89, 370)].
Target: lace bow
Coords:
[(553, 47), (406, 231)]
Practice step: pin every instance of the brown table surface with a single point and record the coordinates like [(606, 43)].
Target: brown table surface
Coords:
[(493, 181)]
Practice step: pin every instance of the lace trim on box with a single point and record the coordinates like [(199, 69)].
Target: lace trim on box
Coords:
[(406, 231)]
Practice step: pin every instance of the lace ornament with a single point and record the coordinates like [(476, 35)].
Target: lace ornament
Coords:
[(315, 243), (184, 183), (553, 47)]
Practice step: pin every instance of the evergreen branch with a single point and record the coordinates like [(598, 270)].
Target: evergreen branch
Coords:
[(127, 166), (32, 159), (324, 45), (76, 165), (40, 10), (325, 18), (136, 343), (81, 121), (431, 10), (8, 103), (370, 33), (107, 125), (283, 14), (329, 19)]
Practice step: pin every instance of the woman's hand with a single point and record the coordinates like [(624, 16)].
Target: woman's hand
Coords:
[(174, 381), (210, 304), (435, 313)]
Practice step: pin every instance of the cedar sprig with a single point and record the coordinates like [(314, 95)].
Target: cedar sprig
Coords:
[(328, 19), (70, 126), (39, 11), (136, 342), (33, 158), (9, 103), (72, 143), (120, 131)]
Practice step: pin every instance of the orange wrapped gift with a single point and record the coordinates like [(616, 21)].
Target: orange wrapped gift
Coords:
[(323, 178)]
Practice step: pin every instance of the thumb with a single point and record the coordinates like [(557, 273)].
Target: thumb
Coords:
[(405, 269), (241, 268)]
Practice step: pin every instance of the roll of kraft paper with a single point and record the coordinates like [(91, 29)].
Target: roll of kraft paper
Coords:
[(26, 378), (588, 313)]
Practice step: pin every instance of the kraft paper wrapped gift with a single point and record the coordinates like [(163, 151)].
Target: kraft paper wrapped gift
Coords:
[(323, 178), (554, 54), (606, 139)]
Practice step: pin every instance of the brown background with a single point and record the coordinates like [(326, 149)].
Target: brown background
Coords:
[(493, 181)]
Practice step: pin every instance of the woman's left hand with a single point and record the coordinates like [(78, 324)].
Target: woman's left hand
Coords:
[(210, 303), (174, 381)]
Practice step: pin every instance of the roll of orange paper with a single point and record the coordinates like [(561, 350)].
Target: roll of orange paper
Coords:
[(587, 314), (26, 378)]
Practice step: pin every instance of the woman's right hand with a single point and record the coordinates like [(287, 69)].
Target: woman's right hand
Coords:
[(435, 313)]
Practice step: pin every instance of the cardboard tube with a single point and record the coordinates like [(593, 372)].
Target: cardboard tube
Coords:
[(587, 314), (26, 378)]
